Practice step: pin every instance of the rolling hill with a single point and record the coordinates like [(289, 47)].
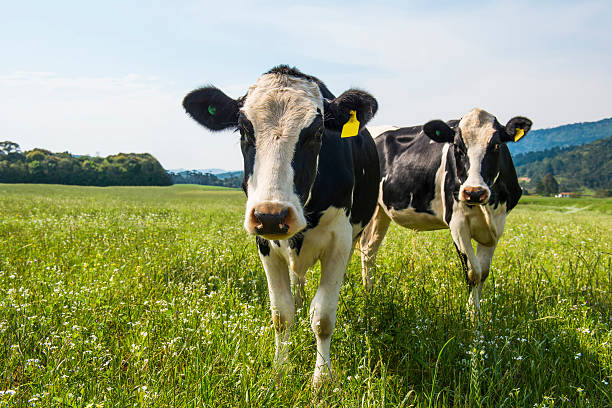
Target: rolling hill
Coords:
[(563, 136), (575, 168)]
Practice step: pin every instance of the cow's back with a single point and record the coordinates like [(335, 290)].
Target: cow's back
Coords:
[(409, 161)]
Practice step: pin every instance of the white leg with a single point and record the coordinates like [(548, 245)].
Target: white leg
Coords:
[(485, 256), (461, 236), (281, 303), (325, 302), (370, 241)]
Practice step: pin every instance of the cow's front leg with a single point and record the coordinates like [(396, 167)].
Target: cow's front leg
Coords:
[(485, 256), (460, 232), (325, 302), (281, 299)]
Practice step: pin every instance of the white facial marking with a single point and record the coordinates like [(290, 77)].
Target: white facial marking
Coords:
[(279, 107), (476, 130)]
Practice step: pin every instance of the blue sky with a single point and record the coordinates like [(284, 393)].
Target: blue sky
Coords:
[(108, 77)]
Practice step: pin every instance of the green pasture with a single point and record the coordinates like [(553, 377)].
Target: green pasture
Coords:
[(155, 296)]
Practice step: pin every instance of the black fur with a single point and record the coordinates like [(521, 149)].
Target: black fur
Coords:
[(439, 131), (347, 175), (263, 245), (519, 122), (305, 158), (197, 104), (296, 241), (337, 111), (247, 145), (409, 162)]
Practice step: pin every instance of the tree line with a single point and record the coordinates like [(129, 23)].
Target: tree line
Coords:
[(43, 166)]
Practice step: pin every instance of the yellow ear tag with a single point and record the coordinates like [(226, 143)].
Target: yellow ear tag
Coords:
[(351, 128), (518, 134)]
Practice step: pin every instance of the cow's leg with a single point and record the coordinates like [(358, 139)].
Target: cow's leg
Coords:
[(298, 283), (370, 241), (281, 303), (485, 256), (460, 232), (325, 302)]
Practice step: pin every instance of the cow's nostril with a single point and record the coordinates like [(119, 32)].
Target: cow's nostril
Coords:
[(475, 195), (271, 223)]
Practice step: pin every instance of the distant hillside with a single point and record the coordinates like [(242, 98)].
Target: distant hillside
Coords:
[(229, 174), (563, 136), (226, 179), (576, 167)]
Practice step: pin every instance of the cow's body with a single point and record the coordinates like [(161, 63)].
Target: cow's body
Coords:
[(426, 186), (310, 192)]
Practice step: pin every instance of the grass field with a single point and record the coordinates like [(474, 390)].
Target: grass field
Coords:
[(116, 297)]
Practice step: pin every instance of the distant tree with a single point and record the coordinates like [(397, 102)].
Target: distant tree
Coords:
[(547, 185), (8, 147)]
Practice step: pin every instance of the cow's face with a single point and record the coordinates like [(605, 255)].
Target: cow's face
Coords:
[(478, 142), (282, 120)]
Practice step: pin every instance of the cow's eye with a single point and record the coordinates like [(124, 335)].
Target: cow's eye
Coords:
[(496, 147), (315, 138)]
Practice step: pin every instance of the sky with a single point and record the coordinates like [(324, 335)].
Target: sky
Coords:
[(101, 78)]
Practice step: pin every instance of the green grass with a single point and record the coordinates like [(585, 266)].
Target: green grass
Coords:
[(134, 296)]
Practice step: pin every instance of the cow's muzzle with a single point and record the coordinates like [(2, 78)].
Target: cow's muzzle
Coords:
[(273, 220), (475, 195)]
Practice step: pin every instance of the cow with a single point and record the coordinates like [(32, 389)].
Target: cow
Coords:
[(457, 175), (310, 192)]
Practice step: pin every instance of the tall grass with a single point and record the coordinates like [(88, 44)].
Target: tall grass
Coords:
[(133, 296)]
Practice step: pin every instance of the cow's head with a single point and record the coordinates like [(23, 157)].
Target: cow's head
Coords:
[(478, 142), (283, 120)]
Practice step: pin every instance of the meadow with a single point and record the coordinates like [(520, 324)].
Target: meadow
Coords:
[(155, 296)]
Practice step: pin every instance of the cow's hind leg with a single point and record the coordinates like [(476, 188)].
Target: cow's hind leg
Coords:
[(370, 241), (325, 302), (281, 303), (298, 283)]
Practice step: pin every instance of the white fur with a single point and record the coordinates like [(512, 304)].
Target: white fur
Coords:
[(376, 131), (279, 107), (476, 130), (331, 241)]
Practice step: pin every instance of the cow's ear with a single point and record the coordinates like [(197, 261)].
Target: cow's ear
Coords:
[(516, 128), (212, 108), (338, 111), (439, 131)]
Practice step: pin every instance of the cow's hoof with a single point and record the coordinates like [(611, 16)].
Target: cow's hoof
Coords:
[(322, 377), (281, 371)]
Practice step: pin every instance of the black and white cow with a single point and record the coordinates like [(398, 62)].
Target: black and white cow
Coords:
[(310, 193), (456, 175)]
